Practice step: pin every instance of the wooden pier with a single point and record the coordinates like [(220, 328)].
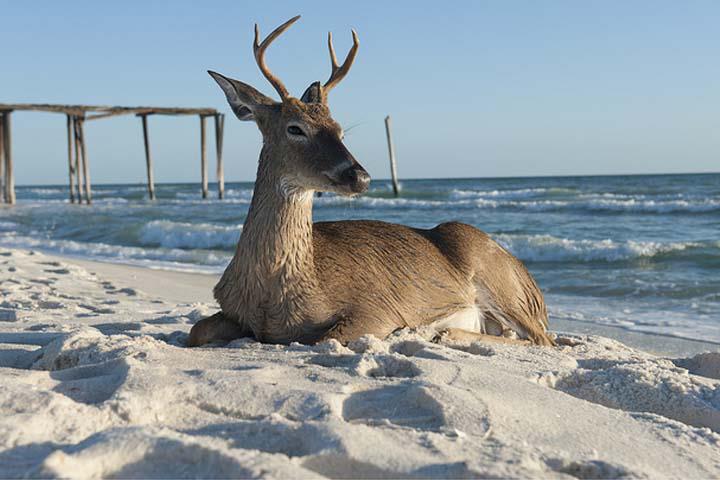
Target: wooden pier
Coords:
[(80, 189)]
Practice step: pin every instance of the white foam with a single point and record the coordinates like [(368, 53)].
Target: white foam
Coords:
[(547, 248), (612, 205), (170, 258), (396, 203), (165, 233), (653, 206), (8, 226), (243, 195), (510, 193), (44, 191)]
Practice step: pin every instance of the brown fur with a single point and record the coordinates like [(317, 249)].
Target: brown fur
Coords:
[(292, 280)]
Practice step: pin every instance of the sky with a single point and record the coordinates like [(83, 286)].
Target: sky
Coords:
[(475, 89)]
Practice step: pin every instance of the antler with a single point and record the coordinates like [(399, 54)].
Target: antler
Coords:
[(259, 51), (339, 72)]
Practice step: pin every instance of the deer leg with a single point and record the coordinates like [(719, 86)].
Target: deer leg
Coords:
[(466, 337), (216, 328)]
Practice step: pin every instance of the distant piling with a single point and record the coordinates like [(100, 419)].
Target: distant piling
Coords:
[(391, 153)]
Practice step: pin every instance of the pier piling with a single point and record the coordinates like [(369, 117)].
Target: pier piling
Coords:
[(78, 161), (8, 176), (203, 158), (219, 129), (71, 167), (148, 158), (85, 161), (2, 160), (391, 152)]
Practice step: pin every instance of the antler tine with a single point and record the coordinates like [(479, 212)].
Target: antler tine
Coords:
[(333, 58), (339, 72), (259, 51)]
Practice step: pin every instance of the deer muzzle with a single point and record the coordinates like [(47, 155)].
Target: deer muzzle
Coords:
[(355, 178), (346, 175)]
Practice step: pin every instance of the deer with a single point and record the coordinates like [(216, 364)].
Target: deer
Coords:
[(292, 280)]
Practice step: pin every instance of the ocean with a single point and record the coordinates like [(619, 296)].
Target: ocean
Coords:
[(638, 252)]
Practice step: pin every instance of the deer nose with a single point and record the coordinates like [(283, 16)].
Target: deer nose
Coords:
[(356, 178)]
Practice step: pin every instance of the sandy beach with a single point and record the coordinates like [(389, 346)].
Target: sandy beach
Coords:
[(482, 235), (97, 383)]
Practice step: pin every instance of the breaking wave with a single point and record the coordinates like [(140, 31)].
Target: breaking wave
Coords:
[(546, 248), (164, 233)]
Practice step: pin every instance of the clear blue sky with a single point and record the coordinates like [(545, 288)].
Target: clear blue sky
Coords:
[(476, 88)]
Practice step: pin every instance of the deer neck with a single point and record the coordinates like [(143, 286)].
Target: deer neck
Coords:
[(277, 234), (272, 275)]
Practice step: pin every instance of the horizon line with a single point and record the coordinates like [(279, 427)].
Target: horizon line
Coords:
[(502, 177)]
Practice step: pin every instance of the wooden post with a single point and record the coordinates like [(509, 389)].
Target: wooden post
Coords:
[(148, 158), (219, 128), (391, 152), (203, 158), (85, 162), (78, 171), (71, 168), (7, 147), (2, 160)]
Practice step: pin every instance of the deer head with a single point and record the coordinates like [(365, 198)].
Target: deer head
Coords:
[(303, 143)]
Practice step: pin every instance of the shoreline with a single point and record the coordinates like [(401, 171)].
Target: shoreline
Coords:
[(189, 287)]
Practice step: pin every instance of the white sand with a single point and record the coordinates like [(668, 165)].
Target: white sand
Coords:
[(95, 382)]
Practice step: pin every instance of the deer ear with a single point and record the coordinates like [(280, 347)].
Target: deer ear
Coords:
[(243, 98), (313, 94)]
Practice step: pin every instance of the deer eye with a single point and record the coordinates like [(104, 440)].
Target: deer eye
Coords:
[(295, 130)]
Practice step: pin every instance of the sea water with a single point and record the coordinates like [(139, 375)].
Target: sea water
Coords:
[(637, 252)]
